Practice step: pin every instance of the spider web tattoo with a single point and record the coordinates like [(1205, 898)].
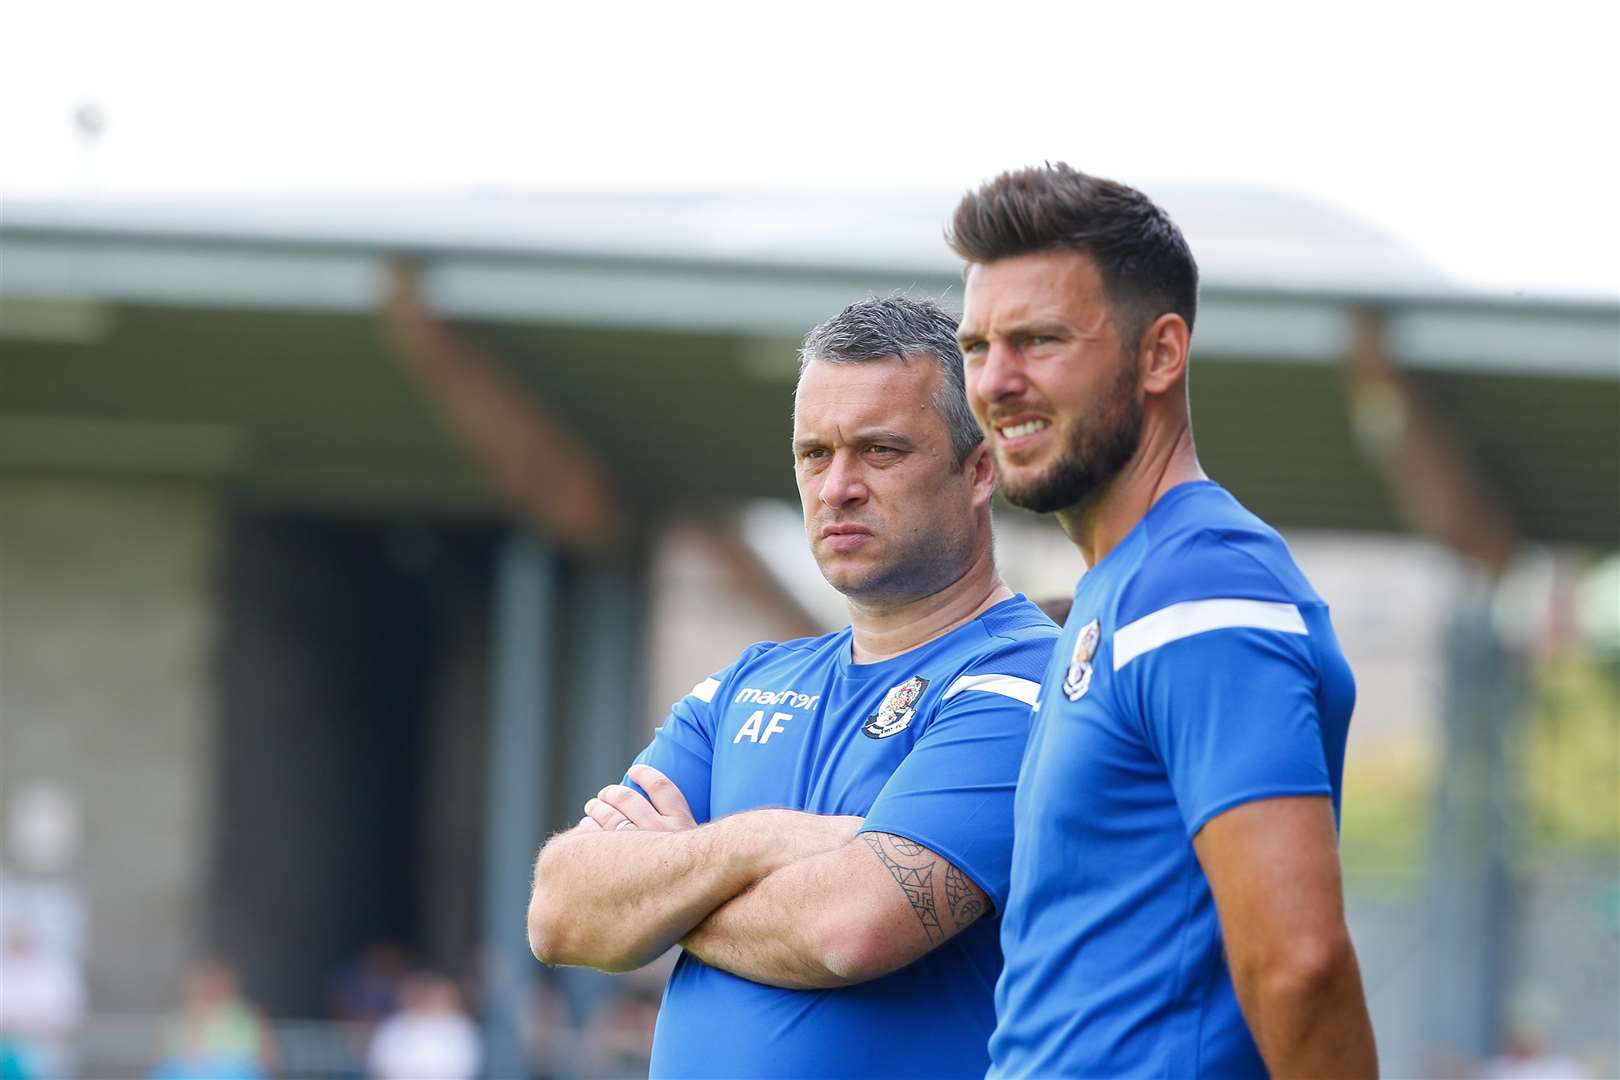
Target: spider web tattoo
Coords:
[(916, 880)]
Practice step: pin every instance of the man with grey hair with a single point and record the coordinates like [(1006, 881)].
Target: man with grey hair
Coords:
[(825, 826)]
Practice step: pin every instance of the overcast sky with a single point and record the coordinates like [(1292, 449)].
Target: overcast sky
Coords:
[(1481, 135)]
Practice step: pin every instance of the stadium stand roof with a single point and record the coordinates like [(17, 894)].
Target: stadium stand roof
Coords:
[(234, 338)]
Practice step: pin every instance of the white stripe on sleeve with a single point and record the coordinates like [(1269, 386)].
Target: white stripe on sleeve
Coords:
[(1006, 685), (704, 691), (1199, 616)]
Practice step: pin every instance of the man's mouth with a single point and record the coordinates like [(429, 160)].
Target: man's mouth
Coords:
[(845, 537), (1022, 429)]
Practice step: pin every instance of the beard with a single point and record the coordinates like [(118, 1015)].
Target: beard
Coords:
[(1097, 448)]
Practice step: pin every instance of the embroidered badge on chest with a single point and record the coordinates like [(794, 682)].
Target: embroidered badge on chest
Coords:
[(898, 707), (1078, 680)]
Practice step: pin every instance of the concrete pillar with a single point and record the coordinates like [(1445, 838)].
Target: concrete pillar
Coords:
[(520, 735), (603, 701), (1473, 840)]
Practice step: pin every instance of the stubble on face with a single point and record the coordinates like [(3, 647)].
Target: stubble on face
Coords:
[(918, 511), (917, 559), (922, 540), (1096, 447)]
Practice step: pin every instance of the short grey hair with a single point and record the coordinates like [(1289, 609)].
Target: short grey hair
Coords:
[(900, 326)]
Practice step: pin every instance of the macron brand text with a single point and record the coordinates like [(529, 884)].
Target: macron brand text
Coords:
[(791, 698)]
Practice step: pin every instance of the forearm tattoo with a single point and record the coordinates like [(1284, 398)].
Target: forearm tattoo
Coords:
[(913, 866)]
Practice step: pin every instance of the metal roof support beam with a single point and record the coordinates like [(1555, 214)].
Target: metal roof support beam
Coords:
[(1436, 488), (544, 472)]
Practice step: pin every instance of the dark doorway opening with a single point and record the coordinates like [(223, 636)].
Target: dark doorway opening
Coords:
[(349, 755)]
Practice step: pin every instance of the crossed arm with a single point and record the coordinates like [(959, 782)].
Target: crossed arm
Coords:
[(777, 896), (865, 909)]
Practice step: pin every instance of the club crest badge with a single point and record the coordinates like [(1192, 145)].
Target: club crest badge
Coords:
[(897, 710), (1078, 680)]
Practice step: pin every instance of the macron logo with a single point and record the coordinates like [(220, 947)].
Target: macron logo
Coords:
[(791, 698)]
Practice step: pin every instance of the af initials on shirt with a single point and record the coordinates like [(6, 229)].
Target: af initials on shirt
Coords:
[(751, 727)]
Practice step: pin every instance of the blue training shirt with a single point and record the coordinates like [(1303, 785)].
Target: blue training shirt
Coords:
[(1197, 671), (925, 745)]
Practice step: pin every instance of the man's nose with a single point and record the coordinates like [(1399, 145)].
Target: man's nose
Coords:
[(1001, 375), (842, 483)]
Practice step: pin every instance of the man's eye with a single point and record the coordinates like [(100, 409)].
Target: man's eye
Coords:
[(881, 451)]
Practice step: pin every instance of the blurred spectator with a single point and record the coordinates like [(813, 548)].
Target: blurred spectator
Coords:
[(1525, 1053), (1056, 608), (367, 991), (218, 1034), (41, 1006), (546, 1027), (430, 1036), (618, 1039)]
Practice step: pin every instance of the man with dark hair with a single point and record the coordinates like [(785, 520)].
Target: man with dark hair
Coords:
[(826, 825), (1176, 870)]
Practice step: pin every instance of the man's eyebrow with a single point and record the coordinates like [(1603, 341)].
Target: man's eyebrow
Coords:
[(1044, 328), (858, 438), (1016, 329), (892, 438)]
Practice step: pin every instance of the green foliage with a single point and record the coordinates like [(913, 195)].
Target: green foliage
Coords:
[(1385, 820), (1572, 756), (1571, 761)]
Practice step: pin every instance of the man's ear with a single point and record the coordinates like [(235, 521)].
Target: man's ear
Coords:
[(1162, 356), (981, 466)]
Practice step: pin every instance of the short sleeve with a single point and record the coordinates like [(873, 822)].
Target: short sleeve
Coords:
[(953, 793), (1233, 716), (683, 746)]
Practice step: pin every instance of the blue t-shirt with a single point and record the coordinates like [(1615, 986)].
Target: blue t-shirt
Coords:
[(1197, 671), (925, 745)]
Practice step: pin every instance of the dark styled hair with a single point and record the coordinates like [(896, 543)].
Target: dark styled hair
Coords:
[(903, 327), (1146, 266)]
